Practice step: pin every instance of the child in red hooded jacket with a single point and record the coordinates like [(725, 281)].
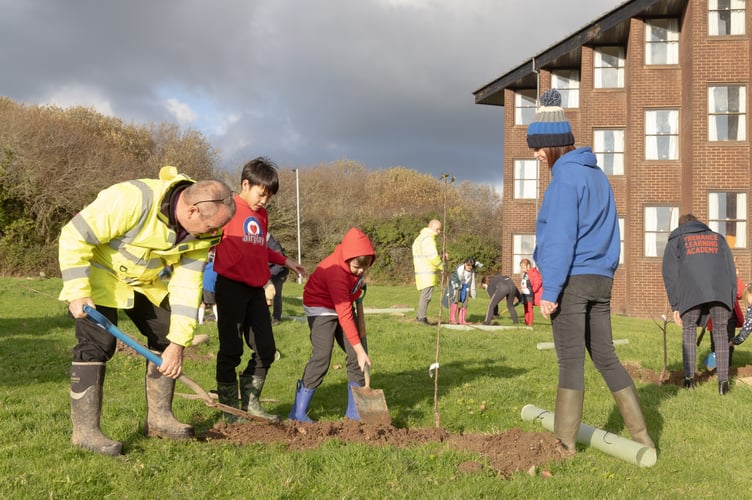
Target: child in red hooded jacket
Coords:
[(328, 297)]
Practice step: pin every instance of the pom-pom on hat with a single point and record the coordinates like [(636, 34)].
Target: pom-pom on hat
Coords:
[(550, 127)]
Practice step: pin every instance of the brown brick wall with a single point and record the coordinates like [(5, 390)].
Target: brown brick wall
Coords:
[(702, 167)]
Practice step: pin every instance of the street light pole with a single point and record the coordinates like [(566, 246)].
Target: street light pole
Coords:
[(297, 209)]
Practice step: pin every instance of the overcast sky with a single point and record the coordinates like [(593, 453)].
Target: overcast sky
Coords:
[(381, 82)]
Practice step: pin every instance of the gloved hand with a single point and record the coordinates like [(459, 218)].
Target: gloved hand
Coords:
[(740, 338)]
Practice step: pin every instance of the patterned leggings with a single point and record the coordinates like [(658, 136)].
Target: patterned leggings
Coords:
[(720, 315)]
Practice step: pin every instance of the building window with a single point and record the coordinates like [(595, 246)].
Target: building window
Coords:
[(525, 179), (621, 240), (662, 41), (523, 246), (662, 134), (524, 106), (608, 146), (659, 222), (608, 68), (725, 17), (567, 82), (727, 214), (727, 105)]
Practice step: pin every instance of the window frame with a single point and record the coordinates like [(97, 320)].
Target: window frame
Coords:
[(570, 94), (715, 221), (602, 154), (517, 251), (599, 70), (736, 16), (521, 184), (716, 116), (670, 43), (658, 233), (521, 112), (672, 134)]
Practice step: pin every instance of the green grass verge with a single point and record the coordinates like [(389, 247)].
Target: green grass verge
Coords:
[(701, 436)]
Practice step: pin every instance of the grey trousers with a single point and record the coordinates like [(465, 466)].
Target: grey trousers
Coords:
[(426, 295), (325, 330)]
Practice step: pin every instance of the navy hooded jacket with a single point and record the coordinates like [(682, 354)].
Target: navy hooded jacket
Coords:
[(698, 268)]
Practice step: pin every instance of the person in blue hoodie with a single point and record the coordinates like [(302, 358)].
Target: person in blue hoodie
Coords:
[(577, 252)]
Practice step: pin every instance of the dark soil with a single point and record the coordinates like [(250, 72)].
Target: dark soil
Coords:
[(506, 453)]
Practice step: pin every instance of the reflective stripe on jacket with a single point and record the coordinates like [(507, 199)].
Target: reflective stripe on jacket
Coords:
[(426, 259), (118, 245)]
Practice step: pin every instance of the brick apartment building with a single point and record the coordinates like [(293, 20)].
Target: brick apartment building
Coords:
[(658, 88)]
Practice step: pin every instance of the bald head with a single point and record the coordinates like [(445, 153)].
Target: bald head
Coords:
[(435, 226)]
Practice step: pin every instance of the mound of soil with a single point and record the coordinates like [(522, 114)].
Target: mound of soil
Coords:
[(505, 453)]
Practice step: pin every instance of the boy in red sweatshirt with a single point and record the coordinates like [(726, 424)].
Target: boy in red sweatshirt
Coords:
[(328, 297), (242, 265)]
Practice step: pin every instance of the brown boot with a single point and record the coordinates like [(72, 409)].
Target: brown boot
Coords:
[(160, 422), (568, 416), (87, 380), (629, 407)]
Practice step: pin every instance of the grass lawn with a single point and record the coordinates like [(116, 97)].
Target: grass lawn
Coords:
[(485, 380)]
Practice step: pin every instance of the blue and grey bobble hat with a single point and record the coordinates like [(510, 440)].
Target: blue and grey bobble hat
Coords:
[(550, 127)]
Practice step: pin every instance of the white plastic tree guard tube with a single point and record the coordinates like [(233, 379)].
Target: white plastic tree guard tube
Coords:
[(543, 346), (607, 442)]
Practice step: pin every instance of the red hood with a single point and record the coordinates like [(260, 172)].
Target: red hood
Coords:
[(354, 244)]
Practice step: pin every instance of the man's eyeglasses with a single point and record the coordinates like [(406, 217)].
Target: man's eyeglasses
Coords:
[(224, 200)]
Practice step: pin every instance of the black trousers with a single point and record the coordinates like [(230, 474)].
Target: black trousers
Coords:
[(96, 345), (583, 322), (243, 318)]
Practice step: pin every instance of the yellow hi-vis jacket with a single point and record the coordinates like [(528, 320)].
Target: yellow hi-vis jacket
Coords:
[(426, 259), (118, 245)]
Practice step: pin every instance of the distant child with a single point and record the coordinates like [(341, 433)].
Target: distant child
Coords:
[(531, 287), (209, 281), (242, 266), (460, 289), (500, 288), (328, 297)]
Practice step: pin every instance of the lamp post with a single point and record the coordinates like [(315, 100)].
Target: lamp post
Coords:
[(297, 210)]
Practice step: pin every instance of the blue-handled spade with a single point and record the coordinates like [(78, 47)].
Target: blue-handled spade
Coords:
[(102, 322)]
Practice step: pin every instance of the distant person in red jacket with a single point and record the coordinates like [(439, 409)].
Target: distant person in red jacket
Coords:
[(328, 297), (242, 265), (531, 288)]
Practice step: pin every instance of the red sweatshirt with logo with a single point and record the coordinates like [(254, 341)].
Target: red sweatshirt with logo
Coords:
[(242, 254)]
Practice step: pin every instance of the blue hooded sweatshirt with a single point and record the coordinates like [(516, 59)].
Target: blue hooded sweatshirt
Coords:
[(577, 231)]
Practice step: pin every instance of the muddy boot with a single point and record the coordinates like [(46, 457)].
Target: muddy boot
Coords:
[(629, 407), (352, 408), (160, 422), (453, 314), (227, 394), (568, 416), (87, 380), (250, 391), (299, 409)]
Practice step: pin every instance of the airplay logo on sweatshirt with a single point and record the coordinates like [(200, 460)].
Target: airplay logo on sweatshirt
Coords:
[(253, 232)]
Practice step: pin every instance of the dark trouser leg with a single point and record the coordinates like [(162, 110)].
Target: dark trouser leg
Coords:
[(689, 337), (720, 315)]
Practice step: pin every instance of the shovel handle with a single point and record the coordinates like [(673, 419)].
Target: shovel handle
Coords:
[(102, 322), (367, 375)]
